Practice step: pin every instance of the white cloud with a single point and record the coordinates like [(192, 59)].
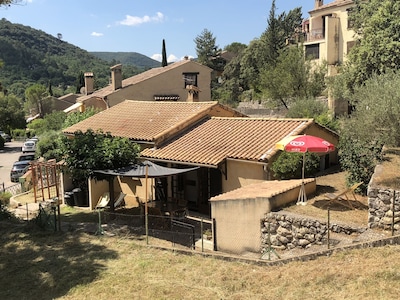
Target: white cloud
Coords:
[(94, 33), (157, 57), (171, 58), (134, 21)]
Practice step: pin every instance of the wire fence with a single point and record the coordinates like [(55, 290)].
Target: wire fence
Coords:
[(187, 232), (12, 189)]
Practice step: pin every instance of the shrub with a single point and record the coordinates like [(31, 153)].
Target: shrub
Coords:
[(289, 165), (5, 198)]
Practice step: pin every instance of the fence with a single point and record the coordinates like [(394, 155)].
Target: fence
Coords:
[(13, 189), (163, 231)]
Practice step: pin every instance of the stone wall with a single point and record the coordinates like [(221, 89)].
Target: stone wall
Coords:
[(382, 212), (285, 231)]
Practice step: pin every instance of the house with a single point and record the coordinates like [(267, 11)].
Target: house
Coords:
[(184, 81), (232, 182), (150, 124), (328, 37), (231, 153)]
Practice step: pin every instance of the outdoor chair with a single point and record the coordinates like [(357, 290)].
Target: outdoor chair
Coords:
[(104, 201), (342, 196)]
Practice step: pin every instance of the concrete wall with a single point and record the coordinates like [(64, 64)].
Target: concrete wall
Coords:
[(238, 221), (241, 173)]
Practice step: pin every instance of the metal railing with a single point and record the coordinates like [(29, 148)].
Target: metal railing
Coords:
[(12, 189)]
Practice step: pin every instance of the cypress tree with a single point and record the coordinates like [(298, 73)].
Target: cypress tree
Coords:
[(164, 55)]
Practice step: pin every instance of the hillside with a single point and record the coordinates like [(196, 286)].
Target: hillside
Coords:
[(128, 58), (32, 56)]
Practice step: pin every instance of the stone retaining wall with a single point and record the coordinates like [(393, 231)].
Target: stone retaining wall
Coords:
[(382, 212), (285, 231)]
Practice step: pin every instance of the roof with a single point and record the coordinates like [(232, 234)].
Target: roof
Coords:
[(149, 121), (216, 139), (336, 3), (101, 93), (267, 189)]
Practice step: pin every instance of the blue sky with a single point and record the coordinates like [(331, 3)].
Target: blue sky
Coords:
[(141, 25)]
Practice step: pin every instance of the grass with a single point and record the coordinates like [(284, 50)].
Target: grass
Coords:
[(76, 265), (38, 265)]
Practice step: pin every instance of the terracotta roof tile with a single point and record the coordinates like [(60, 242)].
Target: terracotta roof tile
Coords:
[(267, 189), (216, 139), (146, 120)]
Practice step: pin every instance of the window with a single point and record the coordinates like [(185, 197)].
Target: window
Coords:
[(350, 23), (190, 79), (312, 51), (349, 46)]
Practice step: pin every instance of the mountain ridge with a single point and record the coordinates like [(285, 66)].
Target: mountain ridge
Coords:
[(32, 56)]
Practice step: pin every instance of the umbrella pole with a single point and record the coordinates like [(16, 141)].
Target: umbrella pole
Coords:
[(302, 199), (146, 208)]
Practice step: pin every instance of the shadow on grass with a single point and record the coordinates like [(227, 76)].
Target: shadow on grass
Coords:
[(339, 205), (39, 264)]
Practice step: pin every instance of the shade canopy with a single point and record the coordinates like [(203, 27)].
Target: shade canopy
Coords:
[(304, 143), (139, 170)]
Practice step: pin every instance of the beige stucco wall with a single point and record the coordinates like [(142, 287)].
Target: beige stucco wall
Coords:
[(333, 48), (241, 173), (135, 190), (170, 82), (238, 221)]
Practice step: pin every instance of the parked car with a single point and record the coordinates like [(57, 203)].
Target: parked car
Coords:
[(29, 146), (5, 136), (18, 169), (34, 139), (27, 156)]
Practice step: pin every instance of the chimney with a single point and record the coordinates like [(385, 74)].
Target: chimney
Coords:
[(193, 93), (318, 3), (89, 83), (116, 77)]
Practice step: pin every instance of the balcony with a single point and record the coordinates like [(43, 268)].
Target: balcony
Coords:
[(314, 35)]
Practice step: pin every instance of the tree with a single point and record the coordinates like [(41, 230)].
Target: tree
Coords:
[(76, 117), (235, 47), (50, 122), (206, 48), (292, 77), (80, 82), (377, 48), (50, 89), (373, 123), (34, 96), (11, 113), (243, 75), (91, 151), (164, 55), (9, 2)]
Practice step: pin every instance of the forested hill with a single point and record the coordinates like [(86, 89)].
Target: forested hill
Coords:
[(32, 56), (128, 58)]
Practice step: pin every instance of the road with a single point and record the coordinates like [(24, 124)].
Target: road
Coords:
[(8, 156)]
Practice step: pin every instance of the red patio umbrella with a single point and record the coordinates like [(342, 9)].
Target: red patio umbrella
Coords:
[(304, 143)]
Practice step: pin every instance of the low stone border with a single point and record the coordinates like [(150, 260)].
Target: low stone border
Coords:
[(284, 231)]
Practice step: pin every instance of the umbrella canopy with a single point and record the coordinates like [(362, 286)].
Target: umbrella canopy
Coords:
[(139, 170), (304, 143)]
